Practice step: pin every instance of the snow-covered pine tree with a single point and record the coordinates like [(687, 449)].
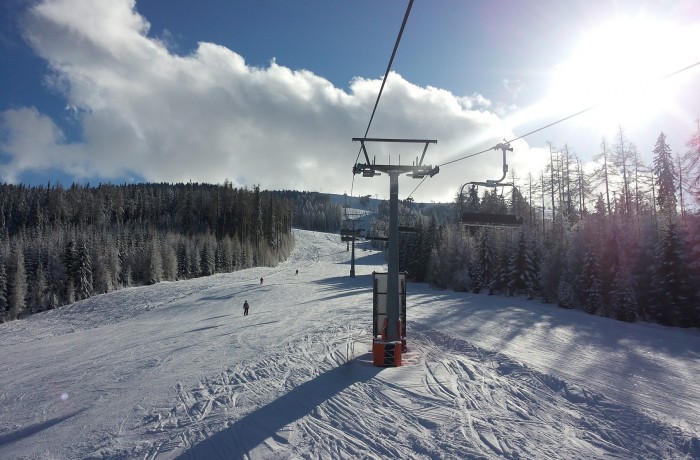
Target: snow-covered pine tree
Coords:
[(591, 284), (600, 209), (673, 295), (4, 305), (472, 202), (550, 273), (500, 278), (270, 223), (17, 284), (521, 276), (404, 251), (257, 232), (194, 260), (37, 290), (416, 265), (3, 226), (536, 250), (666, 178), (182, 263), (460, 258), (566, 295), (169, 258), (450, 259), (70, 257), (476, 276), (101, 275), (247, 254), (125, 270), (155, 263), (623, 301), (110, 250), (207, 257), (83, 282), (54, 280), (225, 254), (609, 248), (437, 270), (236, 257), (486, 260), (430, 241), (219, 256)]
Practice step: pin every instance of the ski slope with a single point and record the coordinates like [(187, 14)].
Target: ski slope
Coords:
[(176, 371)]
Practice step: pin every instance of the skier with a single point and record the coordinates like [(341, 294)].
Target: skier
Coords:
[(245, 308), (261, 280), (297, 271)]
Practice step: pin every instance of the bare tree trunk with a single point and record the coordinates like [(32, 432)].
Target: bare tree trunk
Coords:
[(653, 207), (636, 180), (529, 197), (581, 192), (622, 159), (551, 170), (543, 206), (680, 183), (605, 175)]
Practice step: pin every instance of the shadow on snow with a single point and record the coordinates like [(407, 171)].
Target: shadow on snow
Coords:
[(252, 430)]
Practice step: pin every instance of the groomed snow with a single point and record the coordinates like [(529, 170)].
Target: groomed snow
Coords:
[(176, 371)]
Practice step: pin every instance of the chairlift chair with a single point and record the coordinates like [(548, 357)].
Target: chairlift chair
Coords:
[(481, 219)]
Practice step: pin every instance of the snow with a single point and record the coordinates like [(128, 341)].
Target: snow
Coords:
[(175, 370)]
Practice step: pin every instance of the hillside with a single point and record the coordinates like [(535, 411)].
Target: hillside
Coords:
[(175, 370)]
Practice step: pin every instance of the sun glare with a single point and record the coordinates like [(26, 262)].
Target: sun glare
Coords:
[(620, 67)]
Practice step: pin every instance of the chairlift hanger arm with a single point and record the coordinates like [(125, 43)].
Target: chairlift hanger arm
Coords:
[(505, 147)]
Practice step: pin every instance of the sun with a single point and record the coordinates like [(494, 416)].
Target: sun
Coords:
[(622, 68)]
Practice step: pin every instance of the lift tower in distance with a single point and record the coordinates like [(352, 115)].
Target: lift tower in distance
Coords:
[(390, 345)]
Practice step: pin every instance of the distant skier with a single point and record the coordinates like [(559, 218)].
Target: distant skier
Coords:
[(297, 271), (245, 308), (261, 280)]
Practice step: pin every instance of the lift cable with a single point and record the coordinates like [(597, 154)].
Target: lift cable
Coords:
[(381, 88), (561, 120)]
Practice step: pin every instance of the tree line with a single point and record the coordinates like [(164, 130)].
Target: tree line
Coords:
[(619, 241), (313, 210), (60, 245)]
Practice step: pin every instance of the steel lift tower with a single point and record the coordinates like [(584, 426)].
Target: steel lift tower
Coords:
[(392, 337)]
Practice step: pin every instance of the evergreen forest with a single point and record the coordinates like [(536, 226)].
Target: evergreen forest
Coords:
[(622, 241), (61, 245)]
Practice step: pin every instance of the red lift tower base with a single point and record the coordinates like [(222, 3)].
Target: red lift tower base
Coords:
[(387, 354)]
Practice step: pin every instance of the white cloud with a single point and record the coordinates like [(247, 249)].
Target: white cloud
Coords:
[(208, 116), (34, 142)]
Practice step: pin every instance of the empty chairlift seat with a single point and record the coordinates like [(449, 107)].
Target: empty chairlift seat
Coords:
[(494, 220)]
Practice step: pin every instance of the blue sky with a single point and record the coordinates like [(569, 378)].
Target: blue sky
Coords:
[(271, 92)]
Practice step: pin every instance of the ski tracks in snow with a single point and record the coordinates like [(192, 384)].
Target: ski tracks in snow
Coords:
[(504, 409), (307, 401), (243, 398), (306, 388)]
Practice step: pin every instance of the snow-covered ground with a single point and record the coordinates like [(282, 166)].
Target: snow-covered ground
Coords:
[(176, 371)]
